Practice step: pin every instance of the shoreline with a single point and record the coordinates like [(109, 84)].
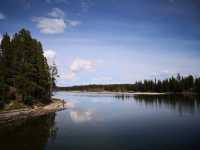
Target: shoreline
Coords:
[(10, 116), (131, 93)]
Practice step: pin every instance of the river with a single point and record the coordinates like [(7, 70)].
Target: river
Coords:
[(109, 121)]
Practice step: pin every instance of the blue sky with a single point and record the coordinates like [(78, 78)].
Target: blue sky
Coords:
[(111, 41)]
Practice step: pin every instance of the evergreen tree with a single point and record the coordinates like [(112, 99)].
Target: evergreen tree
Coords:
[(53, 74), (197, 85), (5, 65), (24, 67)]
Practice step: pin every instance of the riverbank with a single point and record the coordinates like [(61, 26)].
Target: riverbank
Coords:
[(9, 116), (118, 93), (133, 93)]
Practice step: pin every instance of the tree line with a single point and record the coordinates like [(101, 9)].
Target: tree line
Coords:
[(173, 84), (24, 72), (98, 88)]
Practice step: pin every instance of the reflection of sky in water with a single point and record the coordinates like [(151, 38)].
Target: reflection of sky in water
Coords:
[(111, 122), (81, 116), (95, 121), (84, 107)]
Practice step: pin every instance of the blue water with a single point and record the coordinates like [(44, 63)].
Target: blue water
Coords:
[(112, 122)]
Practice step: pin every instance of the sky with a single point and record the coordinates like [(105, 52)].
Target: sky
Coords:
[(111, 41)]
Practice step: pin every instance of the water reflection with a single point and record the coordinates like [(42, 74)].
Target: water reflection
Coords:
[(181, 103), (32, 134), (130, 122), (81, 116)]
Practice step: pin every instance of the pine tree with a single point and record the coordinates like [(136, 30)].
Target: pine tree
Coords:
[(5, 65), (24, 67)]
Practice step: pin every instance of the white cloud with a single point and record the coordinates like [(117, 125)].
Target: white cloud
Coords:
[(55, 22), (50, 56), (82, 64), (72, 23), (79, 65), (57, 13), (2, 16), (50, 25)]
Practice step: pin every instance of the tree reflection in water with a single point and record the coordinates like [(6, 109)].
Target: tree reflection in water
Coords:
[(181, 103), (32, 134)]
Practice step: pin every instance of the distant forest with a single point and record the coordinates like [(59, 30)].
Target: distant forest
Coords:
[(174, 84), (24, 72)]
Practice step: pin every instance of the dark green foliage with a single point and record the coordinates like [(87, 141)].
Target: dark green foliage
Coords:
[(24, 67), (28, 100), (197, 85), (97, 88), (2, 103), (175, 85), (178, 84)]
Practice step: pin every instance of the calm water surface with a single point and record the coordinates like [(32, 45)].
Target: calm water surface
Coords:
[(110, 122)]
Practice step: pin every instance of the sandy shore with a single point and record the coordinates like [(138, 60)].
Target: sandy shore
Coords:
[(20, 114)]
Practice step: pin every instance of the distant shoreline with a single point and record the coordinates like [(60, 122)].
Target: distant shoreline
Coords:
[(131, 93)]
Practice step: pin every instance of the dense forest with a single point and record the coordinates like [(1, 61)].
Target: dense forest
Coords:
[(173, 84), (24, 72)]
